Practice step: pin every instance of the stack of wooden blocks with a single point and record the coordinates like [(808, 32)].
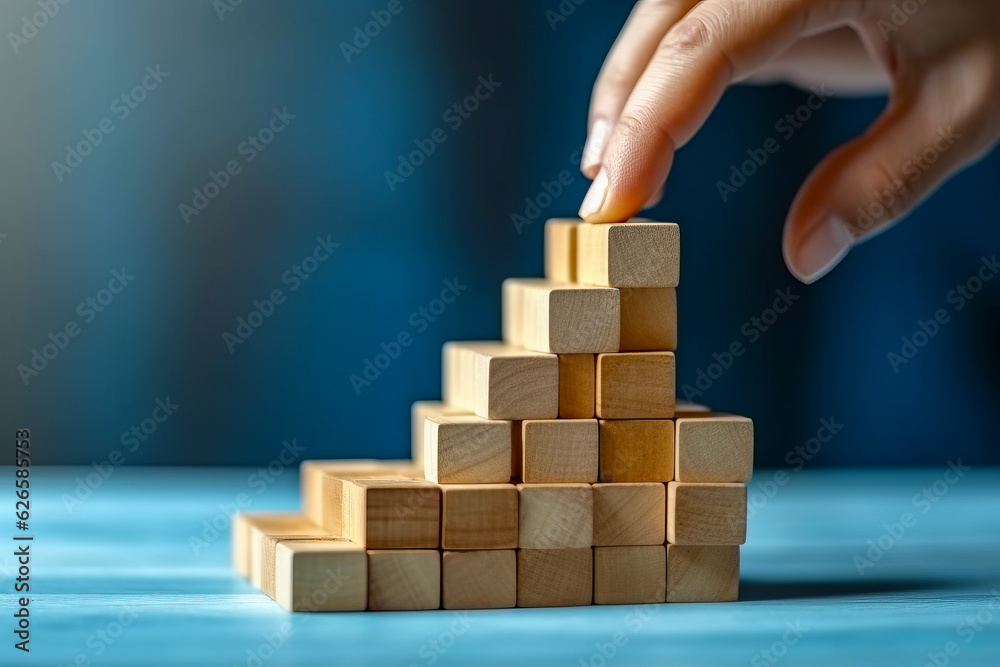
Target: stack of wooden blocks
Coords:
[(557, 471)]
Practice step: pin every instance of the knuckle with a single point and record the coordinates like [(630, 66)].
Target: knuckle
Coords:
[(632, 127), (885, 186), (692, 33)]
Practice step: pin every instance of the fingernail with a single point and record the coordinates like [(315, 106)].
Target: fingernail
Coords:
[(824, 248), (594, 200), (593, 149)]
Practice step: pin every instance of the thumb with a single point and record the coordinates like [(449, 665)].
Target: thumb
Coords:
[(866, 185)]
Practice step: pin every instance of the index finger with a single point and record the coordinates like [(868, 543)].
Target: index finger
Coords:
[(716, 43)]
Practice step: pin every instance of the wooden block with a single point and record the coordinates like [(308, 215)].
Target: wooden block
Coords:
[(630, 575), (468, 449), (321, 575), (636, 450), (577, 374), (515, 451), (560, 317), (497, 381), (478, 516), (248, 531), (560, 249), (479, 579), (555, 516), (321, 504), (419, 412), (404, 579), (629, 513), (265, 547), (713, 447), (685, 406), (703, 573), (706, 513), (649, 318), (635, 385), (555, 577), (391, 513), (559, 450), (241, 543), (628, 254)]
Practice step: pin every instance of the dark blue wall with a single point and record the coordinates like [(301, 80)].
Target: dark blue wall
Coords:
[(324, 176)]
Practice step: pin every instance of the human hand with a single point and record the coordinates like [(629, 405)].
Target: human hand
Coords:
[(674, 59)]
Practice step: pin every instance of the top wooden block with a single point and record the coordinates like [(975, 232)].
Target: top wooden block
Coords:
[(628, 254), (560, 317), (560, 249), (497, 381)]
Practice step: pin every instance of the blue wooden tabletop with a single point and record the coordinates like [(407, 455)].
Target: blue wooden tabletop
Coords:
[(871, 567)]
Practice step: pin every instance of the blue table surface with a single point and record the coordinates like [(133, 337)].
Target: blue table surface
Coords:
[(135, 574)]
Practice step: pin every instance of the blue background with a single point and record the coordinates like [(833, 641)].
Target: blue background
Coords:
[(324, 176)]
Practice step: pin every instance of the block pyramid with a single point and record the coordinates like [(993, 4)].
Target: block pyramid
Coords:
[(557, 471)]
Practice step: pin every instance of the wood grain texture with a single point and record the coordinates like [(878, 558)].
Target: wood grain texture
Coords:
[(497, 381), (267, 544), (635, 385), (467, 449), (516, 449), (630, 575), (706, 514), (636, 450), (253, 528), (136, 531), (321, 575), (577, 375), (559, 450), (649, 319), (560, 249), (404, 579), (555, 577), (629, 513), (392, 513), (713, 447), (629, 254), (703, 573), (479, 516), (419, 412), (559, 317), (479, 579), (241, 536), (555, 516), (320, 481)]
